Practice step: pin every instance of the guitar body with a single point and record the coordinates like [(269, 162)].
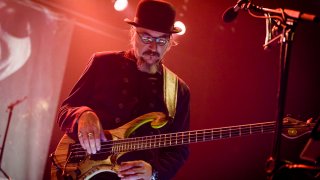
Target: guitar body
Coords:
[(72, 162), (81, 169)]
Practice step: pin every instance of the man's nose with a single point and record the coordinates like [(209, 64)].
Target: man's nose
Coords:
[(153, 45)]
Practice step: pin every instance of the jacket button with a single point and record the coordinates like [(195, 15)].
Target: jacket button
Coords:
[(125, 80), (124, 92), (121, 105), (154, 91), (151, 105), (117, 120)]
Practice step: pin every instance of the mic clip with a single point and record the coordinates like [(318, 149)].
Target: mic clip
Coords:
[(273, 31)]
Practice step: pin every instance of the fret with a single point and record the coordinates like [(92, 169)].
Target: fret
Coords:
[(159, 141), (119, 147), (147, 142), (176, 139), (250, 129), (179, 138), (140, 143), (151, 138), (204, 135), (196, 136), (215, 134), (191, 135), (150, 142), (235, 132), (246, 130), (171, 139), (182, 137), (186, 138), (163, 140), (124, 146), (256, 129), (130, 144), (143, 143), (154, 141), (208, 135)]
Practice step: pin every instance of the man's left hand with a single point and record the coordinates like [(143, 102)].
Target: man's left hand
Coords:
[(133, 170)]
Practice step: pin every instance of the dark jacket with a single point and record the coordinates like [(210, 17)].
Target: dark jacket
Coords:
[(118, 92)]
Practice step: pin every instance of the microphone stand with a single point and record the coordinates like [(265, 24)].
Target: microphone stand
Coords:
[(288, 24), (286, 39), (10, 109)]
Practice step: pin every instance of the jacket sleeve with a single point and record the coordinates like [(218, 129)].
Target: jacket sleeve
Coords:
[(171, 159), (77, 102)]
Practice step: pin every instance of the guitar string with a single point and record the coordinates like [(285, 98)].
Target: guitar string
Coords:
[(181, 136), (172, 139)]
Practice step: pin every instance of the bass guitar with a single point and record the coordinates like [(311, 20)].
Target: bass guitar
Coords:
[(71, 161)]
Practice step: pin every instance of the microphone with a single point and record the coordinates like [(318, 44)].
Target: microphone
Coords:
[(231, 13)]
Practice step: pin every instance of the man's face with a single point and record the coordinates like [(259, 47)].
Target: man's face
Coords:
[(150, 46)]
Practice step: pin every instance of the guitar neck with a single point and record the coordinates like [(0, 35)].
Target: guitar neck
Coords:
[(188, 137)]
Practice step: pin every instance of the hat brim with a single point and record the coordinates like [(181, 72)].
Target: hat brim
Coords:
[(174, 30)]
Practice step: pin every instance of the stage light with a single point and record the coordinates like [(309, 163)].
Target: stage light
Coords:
[(120, 5), (182, 26)]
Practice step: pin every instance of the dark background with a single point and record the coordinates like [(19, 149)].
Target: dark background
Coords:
[(233, 80)]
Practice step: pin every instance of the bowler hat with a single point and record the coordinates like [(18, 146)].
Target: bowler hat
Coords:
[(156, 15)]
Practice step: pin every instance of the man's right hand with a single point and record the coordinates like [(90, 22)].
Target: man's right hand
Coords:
[(90, 132)]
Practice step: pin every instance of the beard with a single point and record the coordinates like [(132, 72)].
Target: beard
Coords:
[(149, 62)]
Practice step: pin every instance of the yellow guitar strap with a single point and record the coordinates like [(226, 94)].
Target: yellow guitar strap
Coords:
[(170, 90)]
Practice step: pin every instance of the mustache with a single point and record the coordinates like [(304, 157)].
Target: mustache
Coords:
[(151, 53)]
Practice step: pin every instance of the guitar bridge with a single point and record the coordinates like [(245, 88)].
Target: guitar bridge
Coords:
[(77, 154)]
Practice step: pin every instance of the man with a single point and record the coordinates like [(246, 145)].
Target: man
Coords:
[(117, 87)]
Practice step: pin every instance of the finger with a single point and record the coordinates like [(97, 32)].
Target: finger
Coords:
[(81, 140), (132, 177), (103, 136), (135, 170), (125, 166), (86, 143), (130, 164), (97, 141), (92, 142)]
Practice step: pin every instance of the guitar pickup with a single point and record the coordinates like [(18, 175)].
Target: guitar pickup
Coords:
[(76, 153)]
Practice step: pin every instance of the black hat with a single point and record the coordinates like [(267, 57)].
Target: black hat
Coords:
[(156, 15)]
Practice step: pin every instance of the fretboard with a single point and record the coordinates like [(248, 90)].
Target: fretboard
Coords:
[(188, 137)]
